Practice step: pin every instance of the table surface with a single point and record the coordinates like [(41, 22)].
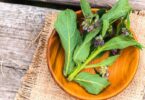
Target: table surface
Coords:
[(136, 4), (19, 25)]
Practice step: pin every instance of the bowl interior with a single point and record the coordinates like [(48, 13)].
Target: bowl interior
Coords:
[(120, 73)]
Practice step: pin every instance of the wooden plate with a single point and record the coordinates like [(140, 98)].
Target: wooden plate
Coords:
[(121, 72)]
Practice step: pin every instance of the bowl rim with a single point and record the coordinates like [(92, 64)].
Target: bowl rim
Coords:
[(101, 98)]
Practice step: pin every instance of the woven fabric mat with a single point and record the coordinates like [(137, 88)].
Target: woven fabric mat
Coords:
[(37, 83)]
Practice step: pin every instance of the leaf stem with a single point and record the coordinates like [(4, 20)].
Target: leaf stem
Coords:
[(81, 67)]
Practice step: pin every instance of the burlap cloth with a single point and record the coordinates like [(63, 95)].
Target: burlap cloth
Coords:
[(37, 84)]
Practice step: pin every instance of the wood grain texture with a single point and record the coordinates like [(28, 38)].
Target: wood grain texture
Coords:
[(136, 4), (19, 24), (121, 72)]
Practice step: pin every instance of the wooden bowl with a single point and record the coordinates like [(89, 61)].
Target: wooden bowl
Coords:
[(121, 72)]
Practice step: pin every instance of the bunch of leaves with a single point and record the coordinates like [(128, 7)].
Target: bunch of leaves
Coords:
[(103, 34)]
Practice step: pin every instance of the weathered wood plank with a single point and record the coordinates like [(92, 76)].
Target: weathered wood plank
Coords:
[(19, 24), (136, 4)]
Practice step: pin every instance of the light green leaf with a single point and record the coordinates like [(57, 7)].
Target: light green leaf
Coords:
[(66, 27), (105, 27), (107, 62), (120, 9), (121, 42), (85, 6), (93, 83), (120, 25), (118, 42), (127, 22), (83, 50)]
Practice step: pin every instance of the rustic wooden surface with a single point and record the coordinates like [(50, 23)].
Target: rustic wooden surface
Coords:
[(136, 4), (18, 26)]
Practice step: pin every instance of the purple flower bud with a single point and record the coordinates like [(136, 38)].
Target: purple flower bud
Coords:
[(97, 24), (85, 28), (90, 28), (102, 43), (98, 42), (114, 52), (125, 31)]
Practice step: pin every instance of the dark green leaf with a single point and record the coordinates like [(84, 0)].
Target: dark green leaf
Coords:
[(83, 50), (93, 83), (121, 42), (66, 27), (107, 62), (118, 42), (120, 9), (85, 6)]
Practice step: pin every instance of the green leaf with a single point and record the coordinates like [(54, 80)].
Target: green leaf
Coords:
[(83, 50), (66, 27), (120, 25), (85, 6), (121, 42), (105, 27), (107, 62), (118, 42), (127, 22), (93, 83), (120, 9)]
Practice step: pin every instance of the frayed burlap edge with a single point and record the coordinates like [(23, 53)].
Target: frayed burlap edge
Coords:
[(37, 84), (29, 80)]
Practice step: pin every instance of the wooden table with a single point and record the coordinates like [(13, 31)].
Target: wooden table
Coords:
[(136, 4), (19, 24)]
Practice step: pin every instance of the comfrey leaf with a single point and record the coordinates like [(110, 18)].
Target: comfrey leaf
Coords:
[(83, 50), (127, 22), (66, 27), (120, 26), (120, 9), (118, 42), (85, 6), (93, 83), (121, 42), (107, 62)]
